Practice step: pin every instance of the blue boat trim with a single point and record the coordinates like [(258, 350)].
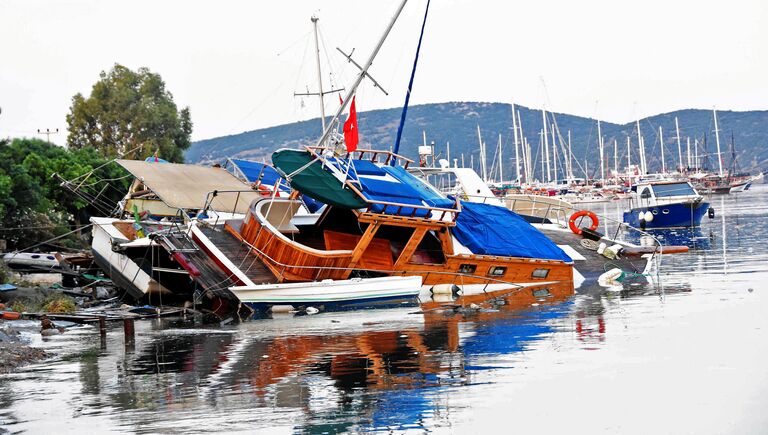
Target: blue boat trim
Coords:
[(669, 215)]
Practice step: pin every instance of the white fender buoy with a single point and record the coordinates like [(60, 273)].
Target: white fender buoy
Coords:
[(445, 289), (281, 308), (311, 310), (648, 216)]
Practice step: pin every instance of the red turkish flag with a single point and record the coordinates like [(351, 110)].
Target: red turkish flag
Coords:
[(350, 128)]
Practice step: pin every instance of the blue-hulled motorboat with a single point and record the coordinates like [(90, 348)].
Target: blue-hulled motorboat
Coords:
[(665, 204)]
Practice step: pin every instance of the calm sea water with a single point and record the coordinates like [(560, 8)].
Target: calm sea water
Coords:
[(685, 354)]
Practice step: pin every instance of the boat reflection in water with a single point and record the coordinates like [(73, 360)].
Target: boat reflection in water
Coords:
[(332, 371)]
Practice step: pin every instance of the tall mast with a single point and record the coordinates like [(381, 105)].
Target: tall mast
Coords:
[(679, 148), (570, 156), (501, 166), (526, 150), (448, 152), (600, 146), (688, 145), (616, 157), (661, 145), (696, 154), (542, 149), (517, 153), (641, 147), (717, 140), (529, 173), (482, 155), (554, 151), (545, 155), (404, 113), (319, 74), (629, 152), (361, 75)]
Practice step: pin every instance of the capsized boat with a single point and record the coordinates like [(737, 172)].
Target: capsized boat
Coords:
[(665, 204), (134, 249)]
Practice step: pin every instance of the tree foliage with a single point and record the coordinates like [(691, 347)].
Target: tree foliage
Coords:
[(127, 109), (34, 207)]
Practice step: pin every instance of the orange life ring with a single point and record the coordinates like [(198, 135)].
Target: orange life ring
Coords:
[(583, 213)]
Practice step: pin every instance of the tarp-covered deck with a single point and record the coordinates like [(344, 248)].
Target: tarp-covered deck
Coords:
[(187, 186)]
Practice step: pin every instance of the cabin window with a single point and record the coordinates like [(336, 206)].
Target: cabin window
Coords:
[(542, 293), (646, 193), (673, 189), (497, 271), (540, 273), (467, 268)]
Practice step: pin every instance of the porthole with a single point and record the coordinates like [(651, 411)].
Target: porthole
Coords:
[(35, 256), (665, 211), (540, 273), (467, 268), (542, 293), (655, 211), (497, 271)]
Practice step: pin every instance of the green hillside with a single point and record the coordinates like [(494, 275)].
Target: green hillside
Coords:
[(456, 122)]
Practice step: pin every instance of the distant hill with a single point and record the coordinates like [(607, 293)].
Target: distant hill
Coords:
[(456, 122)]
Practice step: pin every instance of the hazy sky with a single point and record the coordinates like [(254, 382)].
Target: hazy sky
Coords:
[(236, 64)]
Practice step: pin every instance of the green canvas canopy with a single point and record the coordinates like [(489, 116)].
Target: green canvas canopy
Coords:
[(314, 181)]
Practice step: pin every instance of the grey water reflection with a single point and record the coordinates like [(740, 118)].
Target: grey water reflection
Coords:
[(414, 368)]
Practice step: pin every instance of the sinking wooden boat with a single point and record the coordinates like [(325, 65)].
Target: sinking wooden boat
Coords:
[(404, 228), (332, 294)]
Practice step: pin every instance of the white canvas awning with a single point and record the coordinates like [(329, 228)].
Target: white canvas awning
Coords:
[(187, 186)]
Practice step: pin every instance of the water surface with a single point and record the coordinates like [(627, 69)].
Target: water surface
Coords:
[(686, 353)]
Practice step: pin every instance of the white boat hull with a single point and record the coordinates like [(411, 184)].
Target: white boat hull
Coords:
[(120, 268), (330, 292)]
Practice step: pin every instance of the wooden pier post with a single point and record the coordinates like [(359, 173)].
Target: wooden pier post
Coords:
[(103, 331), (130, 340)]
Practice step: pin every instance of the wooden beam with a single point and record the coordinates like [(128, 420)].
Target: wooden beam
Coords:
[(446, 241), (402, 221), (411, 246), (362, 245)]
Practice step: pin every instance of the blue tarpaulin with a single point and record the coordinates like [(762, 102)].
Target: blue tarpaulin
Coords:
[(269, 176), (252, 171), (493, 230)]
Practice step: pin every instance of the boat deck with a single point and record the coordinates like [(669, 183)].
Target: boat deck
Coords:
[(595, 264), (240, 255)]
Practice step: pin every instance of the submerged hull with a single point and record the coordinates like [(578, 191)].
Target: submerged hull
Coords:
[(678, 215)]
